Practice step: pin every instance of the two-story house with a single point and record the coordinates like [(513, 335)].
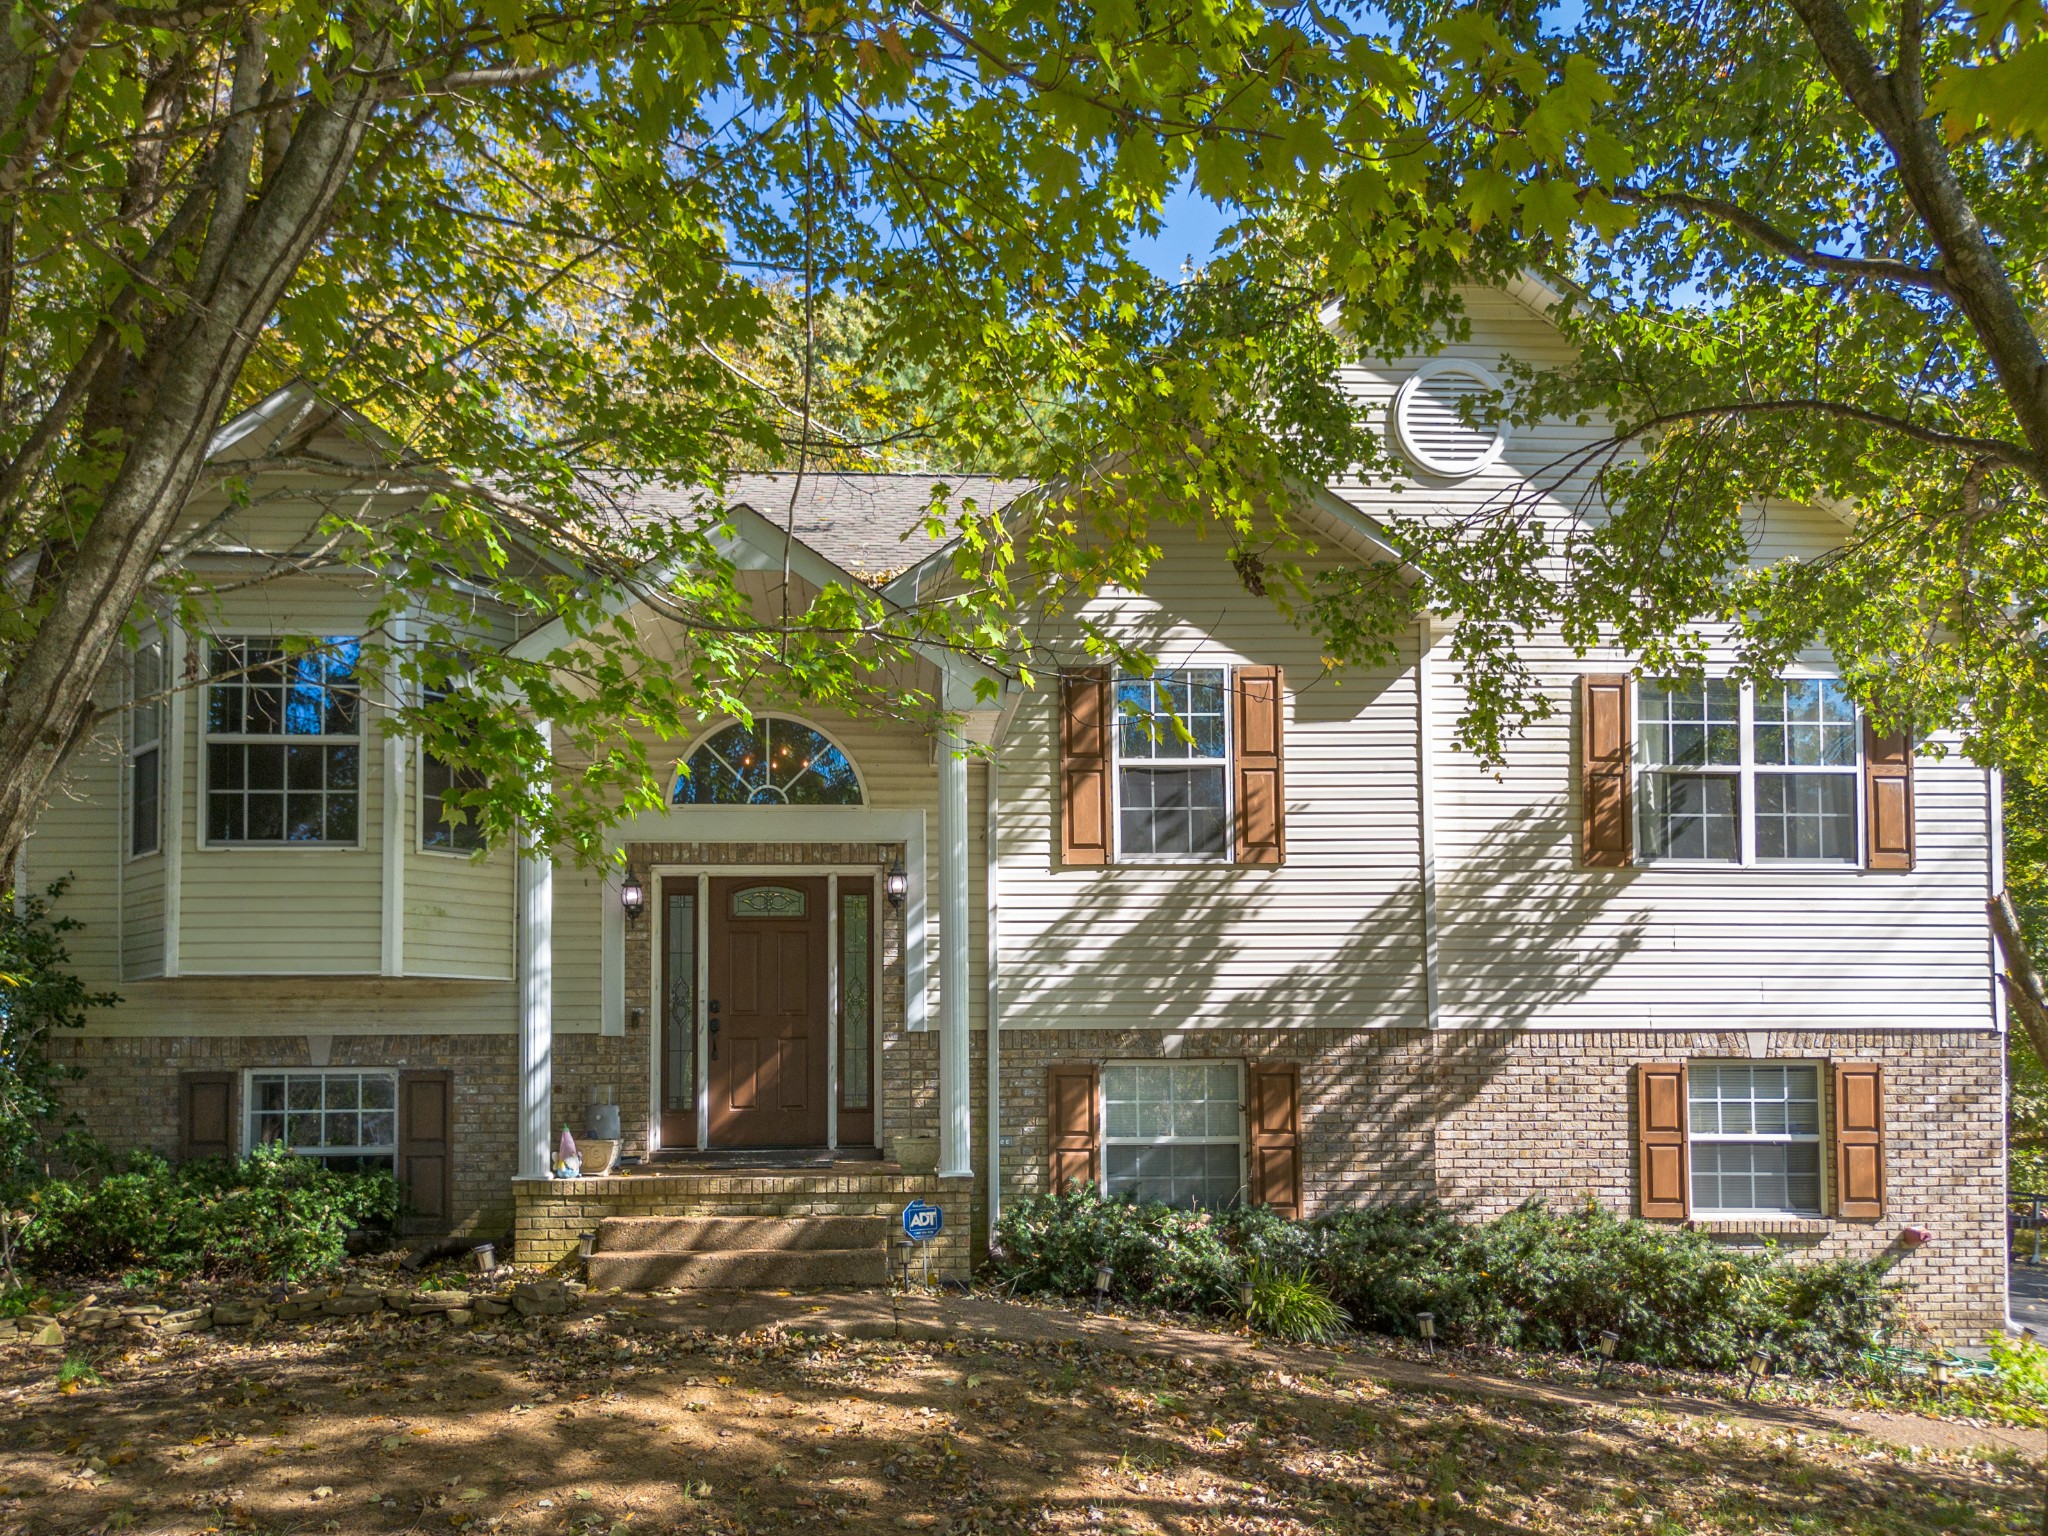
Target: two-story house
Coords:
[(1714, 954)]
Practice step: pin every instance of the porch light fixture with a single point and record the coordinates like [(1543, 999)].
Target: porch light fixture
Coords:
[(633, 897), (896, 884), (1609, 1341), (1425, 1324)]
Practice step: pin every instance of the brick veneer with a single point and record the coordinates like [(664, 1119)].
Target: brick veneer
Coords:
[(1485, 1120), (552, 1213)]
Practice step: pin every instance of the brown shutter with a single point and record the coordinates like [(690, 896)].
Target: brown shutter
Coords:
[(1664, 1165), (426, 1149), (1071, 1139), (206, 1115), (1276, 1137), (1259, 753), (1888, 798), (1605, 840), (1084, 766), (1859, 1140)]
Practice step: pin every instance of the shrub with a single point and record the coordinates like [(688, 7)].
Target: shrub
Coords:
[(1533, 1278), (271, 1216)]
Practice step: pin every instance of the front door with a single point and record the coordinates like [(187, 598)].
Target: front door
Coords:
[(767, 1030)]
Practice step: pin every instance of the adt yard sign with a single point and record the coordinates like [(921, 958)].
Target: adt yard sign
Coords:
[(922, 1222)]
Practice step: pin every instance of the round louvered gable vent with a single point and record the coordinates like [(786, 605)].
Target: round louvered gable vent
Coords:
[(1429, 420)]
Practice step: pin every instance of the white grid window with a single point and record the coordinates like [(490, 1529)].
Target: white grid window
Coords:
[(348, 1119), (446, 828), (145, 750), (1733, 775), (283, 743), (1172, 780), (1173, 1132), (1755, 1132)]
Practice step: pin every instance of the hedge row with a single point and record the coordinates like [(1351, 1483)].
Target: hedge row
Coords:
[(1534, 1278)]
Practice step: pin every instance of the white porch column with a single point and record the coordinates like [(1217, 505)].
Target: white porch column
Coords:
[(536, 1006), (956, 1160)]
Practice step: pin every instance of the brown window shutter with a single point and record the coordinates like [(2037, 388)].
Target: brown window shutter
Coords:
[(1084, 766), (1664, 1179), (1072, 1138), (1859, 1140), (1276, 1137), (1888, 799), (206, 1115), (426, 1149), (1259, 755), (1605, 733)]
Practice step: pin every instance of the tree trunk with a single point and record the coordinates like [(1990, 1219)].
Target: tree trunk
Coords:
[(2023, 985), (48, 706)]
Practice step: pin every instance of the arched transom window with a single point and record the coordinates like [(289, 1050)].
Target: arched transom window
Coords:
[(771, 762)]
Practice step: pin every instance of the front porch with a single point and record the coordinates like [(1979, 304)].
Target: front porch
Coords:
[(551, 1215)]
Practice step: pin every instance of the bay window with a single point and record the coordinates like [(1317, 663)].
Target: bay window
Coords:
[(283, 742)]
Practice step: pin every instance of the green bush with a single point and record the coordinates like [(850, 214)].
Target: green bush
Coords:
[(271, 1216), (1288, 1304), (1533, 1278)]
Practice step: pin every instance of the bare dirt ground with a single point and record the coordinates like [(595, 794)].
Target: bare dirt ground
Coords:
[(634, 1418)]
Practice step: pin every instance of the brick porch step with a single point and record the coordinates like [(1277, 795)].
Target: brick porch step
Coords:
[(645, 1253)]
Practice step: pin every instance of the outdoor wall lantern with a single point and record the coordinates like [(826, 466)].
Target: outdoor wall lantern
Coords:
[(1609, 1340), (633, 897), (896, 884), (1425, 1324)]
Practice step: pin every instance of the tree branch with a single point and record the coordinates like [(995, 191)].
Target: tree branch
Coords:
[(1764, 233), (1983, 447), (56, 91)]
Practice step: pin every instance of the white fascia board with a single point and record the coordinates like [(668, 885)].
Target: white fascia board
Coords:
[(296, 405)]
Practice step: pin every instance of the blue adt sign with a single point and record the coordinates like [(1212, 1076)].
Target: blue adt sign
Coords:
[(921, 1222)]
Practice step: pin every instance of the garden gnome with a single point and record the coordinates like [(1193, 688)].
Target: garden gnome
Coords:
[(568, 1162)]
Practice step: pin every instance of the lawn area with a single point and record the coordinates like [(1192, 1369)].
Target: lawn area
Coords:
[(616, 1426)]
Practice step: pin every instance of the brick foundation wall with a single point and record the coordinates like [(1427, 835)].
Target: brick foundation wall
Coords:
[(1485, 1119), (128, 1096), (553, 1213)]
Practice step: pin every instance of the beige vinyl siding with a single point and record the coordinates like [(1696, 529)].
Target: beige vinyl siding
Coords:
[(461, 913), (1530, 938), (142, 911), (580, 895), (287, 1005), (78, 839), (1331, 937), (313, 911)]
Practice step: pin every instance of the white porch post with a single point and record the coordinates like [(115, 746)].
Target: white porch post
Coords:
[(536, 1006), (956, 1160)]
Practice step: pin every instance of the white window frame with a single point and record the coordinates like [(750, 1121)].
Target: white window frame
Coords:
[(1744, 772), (209, 738), (1819, 1139), (249, 1111), (1117, 762), (420, 820), (134, 749), (1241, 1139)]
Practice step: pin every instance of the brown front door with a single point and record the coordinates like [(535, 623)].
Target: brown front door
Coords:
[(766, 1013)]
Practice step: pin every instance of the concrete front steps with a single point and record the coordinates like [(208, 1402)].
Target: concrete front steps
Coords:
[(747, 1253)]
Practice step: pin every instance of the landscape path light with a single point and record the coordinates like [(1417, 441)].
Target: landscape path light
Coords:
[(1103, 1275), (1609, 1341), (1425, 1324)]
